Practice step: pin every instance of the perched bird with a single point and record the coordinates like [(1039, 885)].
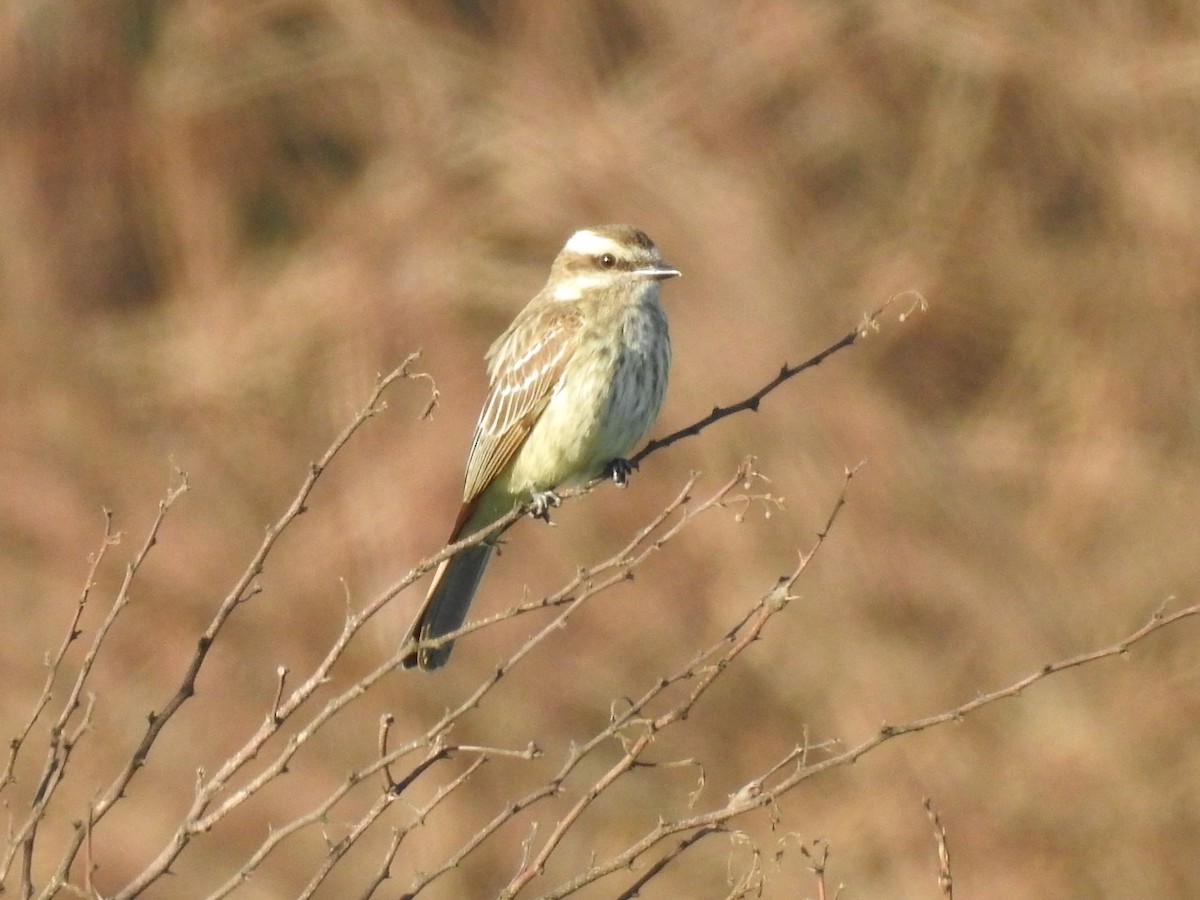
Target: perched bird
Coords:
[(575, 382)]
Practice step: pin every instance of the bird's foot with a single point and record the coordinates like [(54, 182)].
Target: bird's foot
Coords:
[(541, 502), (619, 470)]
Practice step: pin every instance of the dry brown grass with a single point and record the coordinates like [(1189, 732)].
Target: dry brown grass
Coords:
[(219, 220)]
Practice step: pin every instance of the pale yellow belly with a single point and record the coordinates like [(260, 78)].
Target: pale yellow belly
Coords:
[(602, 407)]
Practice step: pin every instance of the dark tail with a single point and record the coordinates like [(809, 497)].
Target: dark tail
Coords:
[(446, 605)]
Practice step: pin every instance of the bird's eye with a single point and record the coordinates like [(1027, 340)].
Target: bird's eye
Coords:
[(607, 261)]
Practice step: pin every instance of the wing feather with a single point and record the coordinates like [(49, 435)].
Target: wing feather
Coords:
[(525, 364)]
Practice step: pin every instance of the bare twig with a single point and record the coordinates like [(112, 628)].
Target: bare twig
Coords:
[(759, 796), (54, 662), (818, 861), (945, 878), (279, 764), (581, 588), (634, 727), (61, 743), (869, 324), (244, 588), (702, 670)]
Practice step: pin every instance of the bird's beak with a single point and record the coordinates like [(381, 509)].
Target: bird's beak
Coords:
[(660, 271)]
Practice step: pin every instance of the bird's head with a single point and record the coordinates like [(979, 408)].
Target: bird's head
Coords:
[(605, 256)]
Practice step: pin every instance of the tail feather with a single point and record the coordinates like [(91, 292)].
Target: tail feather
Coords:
[(446, 605)]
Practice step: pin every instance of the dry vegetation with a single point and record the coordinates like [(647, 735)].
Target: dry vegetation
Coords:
[(220, 219)]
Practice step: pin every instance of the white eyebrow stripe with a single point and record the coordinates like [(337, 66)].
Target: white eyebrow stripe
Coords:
[(591, 244)]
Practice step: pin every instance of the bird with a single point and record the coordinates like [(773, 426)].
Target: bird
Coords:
[(575, 382)]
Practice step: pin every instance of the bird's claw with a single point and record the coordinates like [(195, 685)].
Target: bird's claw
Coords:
[(540, 504), (619, 470)]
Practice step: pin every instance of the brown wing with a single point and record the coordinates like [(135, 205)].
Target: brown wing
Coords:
[(525, 364)]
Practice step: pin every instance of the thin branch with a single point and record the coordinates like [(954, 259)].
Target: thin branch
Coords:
[(201, 818), (59, 747), (758, 796), (54, 663), (581, 588), (244, 588), (702, 670), (653, 871), (869, 324), (945, 878)]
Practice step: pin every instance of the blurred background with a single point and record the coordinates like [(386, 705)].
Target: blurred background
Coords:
[(219, 219)]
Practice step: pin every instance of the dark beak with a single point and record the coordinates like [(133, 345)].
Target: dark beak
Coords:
[(659, 271)]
